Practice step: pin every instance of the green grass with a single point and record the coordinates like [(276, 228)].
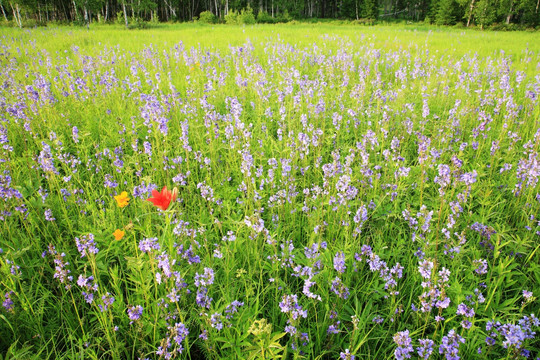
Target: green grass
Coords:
[(280, 139)]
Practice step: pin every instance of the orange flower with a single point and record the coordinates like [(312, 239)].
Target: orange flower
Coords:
[(163, 199), (122, 199), (118, 234)]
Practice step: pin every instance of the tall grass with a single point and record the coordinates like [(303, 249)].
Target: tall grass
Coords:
[(342, 192)]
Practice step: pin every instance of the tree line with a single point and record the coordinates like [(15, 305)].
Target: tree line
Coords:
[(482, 13)]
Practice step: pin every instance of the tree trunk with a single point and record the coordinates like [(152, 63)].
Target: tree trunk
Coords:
[(125, 13), (66, 12), (18, 15), (106, 11), (470, 13), (86, 18), (173, 12), (3, 11), (509, 16), (76, 12), (17, 20)]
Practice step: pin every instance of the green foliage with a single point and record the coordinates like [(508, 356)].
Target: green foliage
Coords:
[(269, 160), (207, 17), (155, 19), (284, 17), (246, 16), (231, 18), (264, 18), (445, 13), (119, 20), (143, 6), (138, 23), (370, 9), (485, 13), (363, 21)]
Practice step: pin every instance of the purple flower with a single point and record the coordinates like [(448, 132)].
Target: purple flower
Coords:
[(143, 191), (334, 328), (346, 355), (289, 305), (86, 283), (466, 324), (481, 266), (8, 303), (108, 300), (148, 244), (464, 310), (339, 262), (60, 271), (291, 330), (527, 295), (134, 313), (86, 245), (404, 345), (339, 289), (450, 345), (425, 268), (46, 159), (202, 299), (75, 134), (205, 279), (443, 179), (232, 308), (216, 321), (425, 349), (177, 334), (49, 215)]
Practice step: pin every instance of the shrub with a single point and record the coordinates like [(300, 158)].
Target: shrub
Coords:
[(231, 18), (363, 21), (265, 18), (32, 23), (155, 19), (207, 17), (120, 18), (246, 16), (138, 23), (4, 23), (284, 17)]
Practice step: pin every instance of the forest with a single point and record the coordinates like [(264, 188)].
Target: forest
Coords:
[(498, 14)]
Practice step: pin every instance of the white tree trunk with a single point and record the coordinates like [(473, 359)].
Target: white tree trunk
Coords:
[(125, 13), (3, 12), (470, 13)]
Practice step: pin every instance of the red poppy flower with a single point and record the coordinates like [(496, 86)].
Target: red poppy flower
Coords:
[(163, 199)]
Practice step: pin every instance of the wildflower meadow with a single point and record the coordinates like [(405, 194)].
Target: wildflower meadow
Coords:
[(269, 192)]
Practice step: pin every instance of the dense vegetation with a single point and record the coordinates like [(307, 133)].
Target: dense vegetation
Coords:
[(332, 192), (507, 14)]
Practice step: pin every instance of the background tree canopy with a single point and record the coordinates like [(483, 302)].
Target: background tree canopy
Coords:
[(441, 12)]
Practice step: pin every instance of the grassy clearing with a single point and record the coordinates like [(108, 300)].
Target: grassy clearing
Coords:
[(342, 191)]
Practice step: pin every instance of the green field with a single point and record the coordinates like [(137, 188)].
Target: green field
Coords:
[(340, 192)]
